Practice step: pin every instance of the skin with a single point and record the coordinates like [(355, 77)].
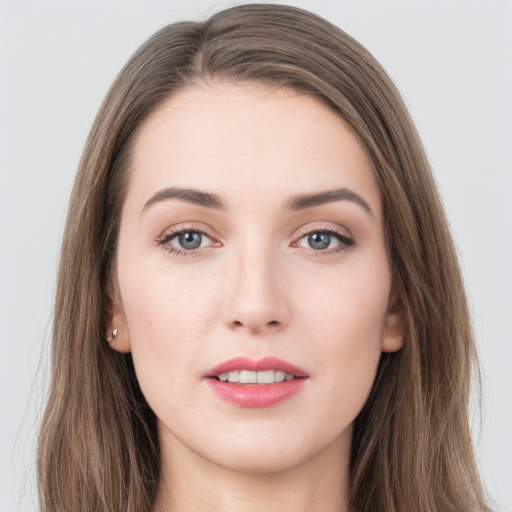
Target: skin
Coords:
[(256, 287)]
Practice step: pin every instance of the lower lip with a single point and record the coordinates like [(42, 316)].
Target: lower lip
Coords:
[(254, 395)]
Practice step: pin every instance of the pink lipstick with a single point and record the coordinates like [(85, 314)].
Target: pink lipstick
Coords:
[(248, 383)]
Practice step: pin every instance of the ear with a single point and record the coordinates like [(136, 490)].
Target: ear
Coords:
[(116, 320), (394, 328)]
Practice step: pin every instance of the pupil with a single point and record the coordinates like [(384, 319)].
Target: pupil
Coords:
[(319, 240), (190, 240)]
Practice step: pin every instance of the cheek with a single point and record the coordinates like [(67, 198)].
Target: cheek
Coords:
[(350, 306), (162, 300), (167, 319), (164, 347), (346, 321)]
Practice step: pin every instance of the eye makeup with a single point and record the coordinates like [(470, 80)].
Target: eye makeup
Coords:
[(187, 240)]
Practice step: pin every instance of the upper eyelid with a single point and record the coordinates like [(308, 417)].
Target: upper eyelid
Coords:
[(343, 239), (325, 229), (164, 241), (184, 227)]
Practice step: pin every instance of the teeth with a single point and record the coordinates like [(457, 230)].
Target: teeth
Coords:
[(267, 377), (249, 377), (234, 376), (280, 376)]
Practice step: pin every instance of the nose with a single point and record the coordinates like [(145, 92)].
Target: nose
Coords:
[(256, 300)]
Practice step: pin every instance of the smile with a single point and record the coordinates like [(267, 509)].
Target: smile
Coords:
[(250, 377), (247, 383)]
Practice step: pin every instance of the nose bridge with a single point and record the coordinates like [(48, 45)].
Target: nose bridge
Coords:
[(256, 298)]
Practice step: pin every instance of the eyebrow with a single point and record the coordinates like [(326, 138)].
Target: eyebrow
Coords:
[(296, 202), (190, 195), (303, 201)]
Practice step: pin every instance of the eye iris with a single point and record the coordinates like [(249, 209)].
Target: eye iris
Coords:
[(190, 240), (319, 240)]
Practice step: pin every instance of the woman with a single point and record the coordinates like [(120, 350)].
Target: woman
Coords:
[(259, 304)]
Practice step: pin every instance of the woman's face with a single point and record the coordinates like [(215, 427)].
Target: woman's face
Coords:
[(251, 246)]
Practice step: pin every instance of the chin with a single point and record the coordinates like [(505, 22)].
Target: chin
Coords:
[(271, 453), (259, 462)]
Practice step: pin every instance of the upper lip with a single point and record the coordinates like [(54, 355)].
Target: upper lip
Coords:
[(245, 363)]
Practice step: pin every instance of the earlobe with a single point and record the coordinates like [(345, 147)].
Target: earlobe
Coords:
[(117, 334), (118, 341), (392, 343), (113, 336), (394, 326), (393, 332)]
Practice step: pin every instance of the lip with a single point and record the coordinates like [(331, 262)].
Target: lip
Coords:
[(256, 395), (245, 363)]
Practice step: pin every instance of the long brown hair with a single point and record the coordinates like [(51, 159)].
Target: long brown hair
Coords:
[(412, 449)]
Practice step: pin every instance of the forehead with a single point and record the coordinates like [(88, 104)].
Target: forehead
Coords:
[(223, 136)]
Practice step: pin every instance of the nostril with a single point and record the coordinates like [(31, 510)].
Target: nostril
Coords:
[(237, 324)]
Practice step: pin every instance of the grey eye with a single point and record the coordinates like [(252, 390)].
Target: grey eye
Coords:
[(190, 240), (319, 241), (186, 241), (324, 241)]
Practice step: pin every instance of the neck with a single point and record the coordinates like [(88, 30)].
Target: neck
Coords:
[(189, 483)]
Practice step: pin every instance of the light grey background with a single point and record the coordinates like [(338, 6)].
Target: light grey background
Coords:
[(451, 60)]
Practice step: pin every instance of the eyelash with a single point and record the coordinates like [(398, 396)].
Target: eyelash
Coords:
[(164, 240), (345, 242)]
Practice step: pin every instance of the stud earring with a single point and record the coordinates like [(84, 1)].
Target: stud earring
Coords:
[(114, 335)]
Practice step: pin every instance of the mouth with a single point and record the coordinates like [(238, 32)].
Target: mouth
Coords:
[(250, 377), (243, 370), (263, 383)]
